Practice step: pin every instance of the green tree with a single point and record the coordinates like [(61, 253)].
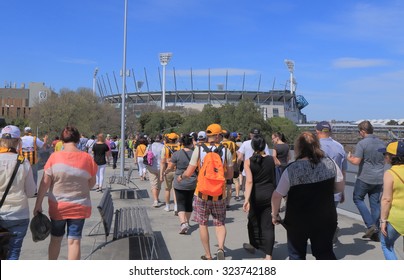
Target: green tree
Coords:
[(78, 108), (392, 122), (285, 126), (247, 116)]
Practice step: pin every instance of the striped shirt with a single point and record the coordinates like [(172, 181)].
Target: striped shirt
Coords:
[(69, 193)]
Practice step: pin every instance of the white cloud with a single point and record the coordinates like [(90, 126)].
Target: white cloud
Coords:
[(351, 62)]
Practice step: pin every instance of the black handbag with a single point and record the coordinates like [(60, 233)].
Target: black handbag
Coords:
[(5, 234)]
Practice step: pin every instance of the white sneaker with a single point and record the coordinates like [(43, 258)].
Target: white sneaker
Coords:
[(184, 228), (155, 204), (167, 208)]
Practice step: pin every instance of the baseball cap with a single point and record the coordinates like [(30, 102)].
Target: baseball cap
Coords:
[(10, 132), (255, 131), (172, 136), (395, 148), (201, 135), (323, 126), (27, 129), (40, 227), (234, 134), (214, 129)]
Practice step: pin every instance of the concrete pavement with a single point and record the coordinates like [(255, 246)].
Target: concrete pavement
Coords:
[(173, 246)]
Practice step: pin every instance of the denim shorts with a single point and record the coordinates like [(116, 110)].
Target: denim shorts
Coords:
[(74, 228)]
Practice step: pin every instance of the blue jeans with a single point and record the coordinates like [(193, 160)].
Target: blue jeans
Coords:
[(74, 228), (387, 242), (374, 192), (19, 229)]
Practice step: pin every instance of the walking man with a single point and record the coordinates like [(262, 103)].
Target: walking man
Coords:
[(369, 179), (206, 205), (29, 149), (336, 152)]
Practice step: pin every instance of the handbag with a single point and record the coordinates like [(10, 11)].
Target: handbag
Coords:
[(5, 234)]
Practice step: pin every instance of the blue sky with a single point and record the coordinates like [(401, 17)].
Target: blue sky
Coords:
[(348, 54)]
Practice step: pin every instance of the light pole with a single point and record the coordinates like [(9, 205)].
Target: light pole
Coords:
[(94, 79), (122, 147), (164, 59), (291, 66)]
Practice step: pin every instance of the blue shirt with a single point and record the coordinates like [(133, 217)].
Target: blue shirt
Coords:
[(334, 150)]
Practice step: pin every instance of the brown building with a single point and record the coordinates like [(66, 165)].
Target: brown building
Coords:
[(17, 102)]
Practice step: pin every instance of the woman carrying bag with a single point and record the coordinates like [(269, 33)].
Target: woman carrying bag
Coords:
[(14, 211)]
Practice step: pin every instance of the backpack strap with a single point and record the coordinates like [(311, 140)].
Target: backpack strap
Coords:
[(189, 159)]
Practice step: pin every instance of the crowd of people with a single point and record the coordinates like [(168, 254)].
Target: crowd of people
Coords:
[(199, 172)]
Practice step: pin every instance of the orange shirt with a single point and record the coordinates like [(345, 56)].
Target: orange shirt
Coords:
[(69, 193)]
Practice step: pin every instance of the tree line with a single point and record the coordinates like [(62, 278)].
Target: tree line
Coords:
[(92, 115)]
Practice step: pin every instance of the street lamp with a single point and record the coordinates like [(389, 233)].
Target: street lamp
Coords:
[(164, 59), (291, 66), (122, 146), (94, 78)]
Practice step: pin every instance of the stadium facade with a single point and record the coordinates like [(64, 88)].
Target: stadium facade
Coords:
[(272, 103)]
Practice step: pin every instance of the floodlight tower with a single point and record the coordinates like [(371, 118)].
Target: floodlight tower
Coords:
[(291, 67), (94, 79), (164, 59)]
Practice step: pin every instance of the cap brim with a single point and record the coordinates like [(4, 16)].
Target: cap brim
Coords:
[(382, 150)]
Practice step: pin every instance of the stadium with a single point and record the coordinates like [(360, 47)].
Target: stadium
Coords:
[(272, 102)]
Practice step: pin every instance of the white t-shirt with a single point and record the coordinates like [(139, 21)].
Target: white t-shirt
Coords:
[(248, 151), (28, 143)]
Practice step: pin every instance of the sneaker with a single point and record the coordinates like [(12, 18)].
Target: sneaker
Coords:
[(370, 231), (167, 208), (184, 228), (249, 248), (175, 210), (155, 204), (375, 237), (220, 254)]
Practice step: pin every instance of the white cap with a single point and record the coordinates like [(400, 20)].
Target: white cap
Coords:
[(10, 132), (201, 135), (27, 129)]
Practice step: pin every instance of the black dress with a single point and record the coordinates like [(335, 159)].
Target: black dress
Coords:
[(261, 232)]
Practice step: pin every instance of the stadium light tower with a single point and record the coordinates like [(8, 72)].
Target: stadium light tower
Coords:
[(164, 59), (291, 66), (94, 79), (122, 146)]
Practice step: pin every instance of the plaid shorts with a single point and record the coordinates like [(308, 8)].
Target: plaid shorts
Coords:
[(204, 208)]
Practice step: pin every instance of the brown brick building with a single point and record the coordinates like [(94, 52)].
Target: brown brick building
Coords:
[(17, 102)]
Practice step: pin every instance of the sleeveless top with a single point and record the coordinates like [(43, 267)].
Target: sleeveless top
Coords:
[(396, 215)]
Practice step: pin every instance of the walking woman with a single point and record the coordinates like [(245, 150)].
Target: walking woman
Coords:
[(140, 152), (100, 150), (260, 184), (184, 190), (14, 213), (310, 183), (282, 153), (68, 177), (392, 210)]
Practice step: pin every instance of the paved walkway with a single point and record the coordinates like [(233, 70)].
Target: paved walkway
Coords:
[(173, 246)]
